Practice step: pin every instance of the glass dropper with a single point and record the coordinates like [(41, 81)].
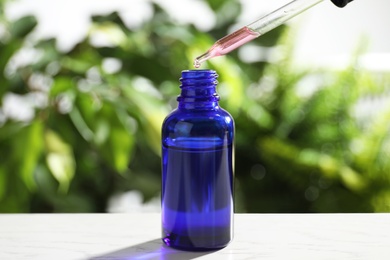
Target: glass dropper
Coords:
[(255, 29)]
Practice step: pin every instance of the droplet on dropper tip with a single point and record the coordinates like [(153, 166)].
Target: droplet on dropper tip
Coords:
[(197, 63), (202, 58)]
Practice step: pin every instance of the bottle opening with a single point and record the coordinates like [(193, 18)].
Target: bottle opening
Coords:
[(198, 78), (199, 74), (198, 87)]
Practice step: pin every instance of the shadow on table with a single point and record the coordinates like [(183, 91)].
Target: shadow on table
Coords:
[(153, 249)]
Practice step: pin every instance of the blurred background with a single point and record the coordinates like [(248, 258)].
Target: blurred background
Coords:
[(85, 85)]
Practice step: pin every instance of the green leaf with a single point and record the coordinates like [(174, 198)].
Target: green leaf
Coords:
[(7, 51), (61, 84), (121, 144), (112, 18), (216, 4), (114, 140), (60, 160), (20, 153), (33, 152), (76, 65), (23, 26), (27, 151)]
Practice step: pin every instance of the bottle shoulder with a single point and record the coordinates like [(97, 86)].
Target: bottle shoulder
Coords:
[(218, 115), (182, 127)]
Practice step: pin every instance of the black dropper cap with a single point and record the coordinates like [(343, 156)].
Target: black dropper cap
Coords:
[(341, 3)]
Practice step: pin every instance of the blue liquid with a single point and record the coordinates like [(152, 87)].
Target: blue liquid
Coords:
[(197, 194)]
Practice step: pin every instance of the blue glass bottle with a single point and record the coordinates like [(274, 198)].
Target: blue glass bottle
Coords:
[(197, 167)]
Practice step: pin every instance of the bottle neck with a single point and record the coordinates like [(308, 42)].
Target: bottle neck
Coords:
[(198, 90)]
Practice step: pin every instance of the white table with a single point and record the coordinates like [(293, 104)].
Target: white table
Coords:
[(137, 236)]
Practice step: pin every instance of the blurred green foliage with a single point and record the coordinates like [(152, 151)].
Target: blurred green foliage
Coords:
[(97, 113)]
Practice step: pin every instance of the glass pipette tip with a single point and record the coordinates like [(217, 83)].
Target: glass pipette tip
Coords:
[(227, 44), (255, 29)]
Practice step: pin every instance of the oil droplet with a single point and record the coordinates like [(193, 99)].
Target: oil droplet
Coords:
[(197, 63)]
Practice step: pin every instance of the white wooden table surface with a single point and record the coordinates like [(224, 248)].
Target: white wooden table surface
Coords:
[(137, 236)]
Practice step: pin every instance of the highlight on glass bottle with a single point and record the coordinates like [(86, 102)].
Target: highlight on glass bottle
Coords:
[(197, 167)]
